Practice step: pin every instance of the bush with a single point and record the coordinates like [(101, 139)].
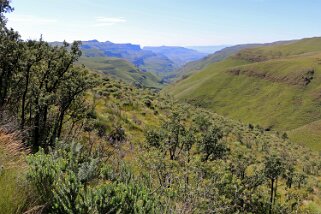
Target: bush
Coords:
[(64, 181)]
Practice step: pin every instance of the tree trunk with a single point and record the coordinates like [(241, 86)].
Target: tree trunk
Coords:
[(275, 190), (23, 105), (35, 138), (271, 199)]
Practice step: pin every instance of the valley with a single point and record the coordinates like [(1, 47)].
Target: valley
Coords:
[(138, 127)]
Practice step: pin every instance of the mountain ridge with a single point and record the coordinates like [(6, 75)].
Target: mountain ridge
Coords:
[(195, 66)]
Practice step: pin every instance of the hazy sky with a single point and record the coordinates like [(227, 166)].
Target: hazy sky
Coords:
[(167, 22)]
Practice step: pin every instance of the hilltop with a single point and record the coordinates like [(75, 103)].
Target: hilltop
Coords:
[(276, 85)]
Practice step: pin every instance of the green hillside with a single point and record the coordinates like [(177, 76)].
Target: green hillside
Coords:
[(121, 70), (277, 86), (139, 112), (196, 66)]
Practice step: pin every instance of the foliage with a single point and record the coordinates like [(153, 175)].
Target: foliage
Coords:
[(211, 146), (5, 7), (40, 85), (65, 180)]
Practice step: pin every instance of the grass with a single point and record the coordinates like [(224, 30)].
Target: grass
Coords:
[(15, 194), (125, 105), (265, 86), (308, 135), (13, 191)]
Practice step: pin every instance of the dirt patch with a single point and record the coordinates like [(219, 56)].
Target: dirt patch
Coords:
[(297, 78)]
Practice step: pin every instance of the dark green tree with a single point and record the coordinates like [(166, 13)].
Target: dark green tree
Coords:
[(4, 8), (175, 131), (274, 168), (11, 53), (211, 144)]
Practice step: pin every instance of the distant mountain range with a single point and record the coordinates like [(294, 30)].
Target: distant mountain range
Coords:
[(207, 49), (158, 60), (179, 55), (149, 67), (146, 61)]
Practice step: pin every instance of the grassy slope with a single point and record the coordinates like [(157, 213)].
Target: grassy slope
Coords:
[(308, 135), (268, 88), (125, 105), (196, 66), (119, 103), (122, 70)]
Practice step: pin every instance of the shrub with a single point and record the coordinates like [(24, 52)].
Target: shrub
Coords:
[(64, 180)]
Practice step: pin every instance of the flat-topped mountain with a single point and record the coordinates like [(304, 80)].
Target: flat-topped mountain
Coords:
[(145, 60)]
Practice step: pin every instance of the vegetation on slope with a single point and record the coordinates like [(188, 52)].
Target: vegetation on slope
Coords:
[(132, 132), (281, 81)]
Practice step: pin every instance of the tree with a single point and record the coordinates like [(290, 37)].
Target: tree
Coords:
[(202, 122), (175, 131), (56, 85), (39, 85), (77, 83), (211, 145), (4, 8), (274, 167), (154, 138), (11, 51), (240, 163)]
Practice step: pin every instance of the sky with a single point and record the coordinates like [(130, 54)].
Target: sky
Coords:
[(167, 22)]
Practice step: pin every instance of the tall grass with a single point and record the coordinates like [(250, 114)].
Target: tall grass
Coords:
[(15, 193)]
